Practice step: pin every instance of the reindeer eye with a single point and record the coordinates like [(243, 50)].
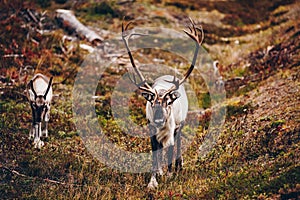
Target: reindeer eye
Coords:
[(174, 95), (148, 96)]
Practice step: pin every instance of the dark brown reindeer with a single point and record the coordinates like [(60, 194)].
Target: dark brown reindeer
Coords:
[(167, 106)]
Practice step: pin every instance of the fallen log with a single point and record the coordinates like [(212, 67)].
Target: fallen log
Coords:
[(69, 21)]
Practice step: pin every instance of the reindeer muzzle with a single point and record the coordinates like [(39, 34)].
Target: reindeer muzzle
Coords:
[(159, 118)]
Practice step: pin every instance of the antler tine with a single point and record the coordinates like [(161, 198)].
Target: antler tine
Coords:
[(194, 34), (125, 38), (192, 23), (198, 38), (202, 33), (127, 25), (132, 80)]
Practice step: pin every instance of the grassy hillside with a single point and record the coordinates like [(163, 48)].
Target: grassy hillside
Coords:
[(257, 153)]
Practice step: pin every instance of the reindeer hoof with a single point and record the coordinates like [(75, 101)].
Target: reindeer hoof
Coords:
[(45, 133), (179, 165), (160, 171), (152, 184), (31, 135), (38, 144), (169, 174)]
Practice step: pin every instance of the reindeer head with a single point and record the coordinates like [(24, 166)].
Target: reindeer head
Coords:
[(161, 104), (38, 103), (161, 101)]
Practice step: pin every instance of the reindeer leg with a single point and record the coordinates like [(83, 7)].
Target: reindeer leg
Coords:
[(38, 143), (47, 117), (32, 130), (170, 159), (156, 156), (36, 135), (45, 132), (41, 143), (179, 161), (155, 166)]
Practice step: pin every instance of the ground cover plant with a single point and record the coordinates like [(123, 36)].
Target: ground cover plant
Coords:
[(257, 153)]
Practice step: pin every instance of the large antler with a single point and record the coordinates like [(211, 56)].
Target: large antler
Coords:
[(31, 86), (197, 34), (143, 85), (48, 88)]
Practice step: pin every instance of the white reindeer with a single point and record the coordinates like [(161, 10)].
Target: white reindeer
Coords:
[(39, 92), (166, 108)]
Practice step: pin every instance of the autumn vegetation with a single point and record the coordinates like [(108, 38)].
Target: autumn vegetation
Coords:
[(256, 155)]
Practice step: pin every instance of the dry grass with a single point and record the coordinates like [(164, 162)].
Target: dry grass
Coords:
[(255, 157)]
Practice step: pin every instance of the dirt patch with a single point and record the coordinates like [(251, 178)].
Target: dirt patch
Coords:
[(278, 98), (237, 12)]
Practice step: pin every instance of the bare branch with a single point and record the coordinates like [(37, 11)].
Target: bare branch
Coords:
[(38, 178)]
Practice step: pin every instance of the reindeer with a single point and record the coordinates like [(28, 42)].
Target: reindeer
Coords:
[(166, 108), (39, 92), (218, 80)]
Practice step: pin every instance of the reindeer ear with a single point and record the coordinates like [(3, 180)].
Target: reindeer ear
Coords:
[(148, 96)]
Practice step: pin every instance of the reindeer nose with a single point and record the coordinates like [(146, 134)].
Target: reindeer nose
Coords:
[(159, 121), (158, 117)]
